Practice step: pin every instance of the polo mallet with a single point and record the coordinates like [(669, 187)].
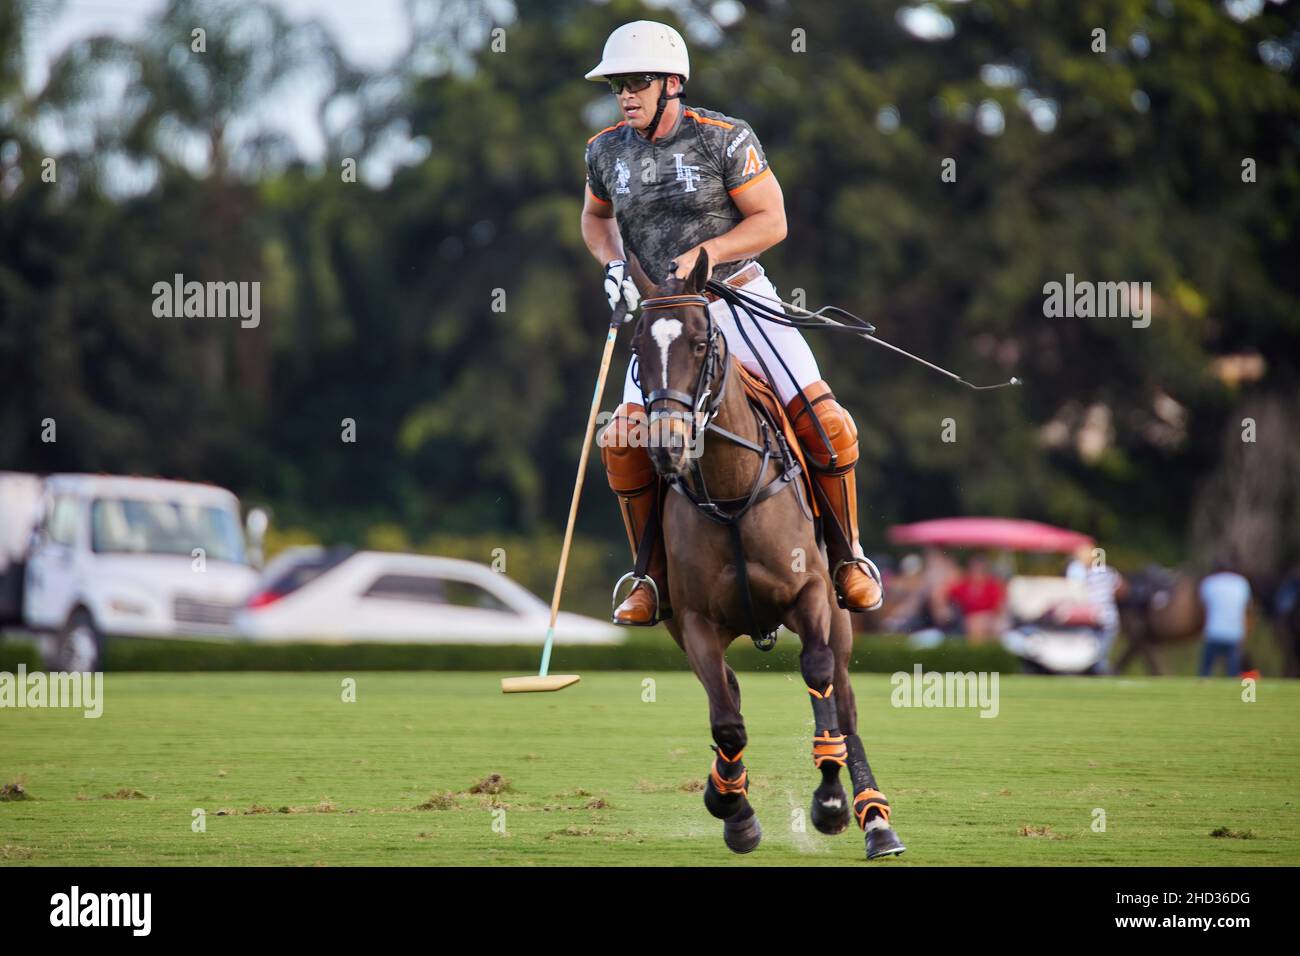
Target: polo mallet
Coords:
[(544, 681)]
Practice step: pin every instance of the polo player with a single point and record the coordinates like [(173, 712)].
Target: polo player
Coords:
[(663, 184)]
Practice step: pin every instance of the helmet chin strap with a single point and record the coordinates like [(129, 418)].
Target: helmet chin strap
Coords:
[(664, 97)]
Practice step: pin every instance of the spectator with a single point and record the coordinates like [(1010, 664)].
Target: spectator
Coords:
[(1226, 598), (907, 597), (980, 596), (941, 572), (1100, 583)]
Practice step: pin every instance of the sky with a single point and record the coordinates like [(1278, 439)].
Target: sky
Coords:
[(371, 33)]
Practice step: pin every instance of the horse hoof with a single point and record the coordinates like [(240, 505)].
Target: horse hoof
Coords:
[(742, 835), (829, 819), (883, 842)]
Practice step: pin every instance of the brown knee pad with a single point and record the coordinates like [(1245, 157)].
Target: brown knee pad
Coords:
[(623, 450), (835, 420), (630, 471)]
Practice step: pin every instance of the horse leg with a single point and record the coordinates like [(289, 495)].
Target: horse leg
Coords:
[(733, 684), (810, 618), (726, 791), (869, 805), (674, 627), (1154, 667)]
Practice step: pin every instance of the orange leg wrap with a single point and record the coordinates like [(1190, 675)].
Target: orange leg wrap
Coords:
[(867, 801), (829, 745), (725, 786)]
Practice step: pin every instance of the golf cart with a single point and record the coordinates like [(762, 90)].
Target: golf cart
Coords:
[(1047, 623)]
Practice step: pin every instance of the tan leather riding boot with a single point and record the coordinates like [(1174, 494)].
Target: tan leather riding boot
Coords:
[(857, 582), (632, 478)]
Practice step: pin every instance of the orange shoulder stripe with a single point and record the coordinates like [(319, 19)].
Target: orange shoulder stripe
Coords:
[(712, 122), (604, 131), (767, 171)]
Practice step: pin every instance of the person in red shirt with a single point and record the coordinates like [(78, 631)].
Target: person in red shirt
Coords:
[(980, 596)]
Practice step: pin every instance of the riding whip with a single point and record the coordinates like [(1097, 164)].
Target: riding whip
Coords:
[(822, 319)]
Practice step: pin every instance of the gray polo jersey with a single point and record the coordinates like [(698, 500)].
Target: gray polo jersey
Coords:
[(673, 194)]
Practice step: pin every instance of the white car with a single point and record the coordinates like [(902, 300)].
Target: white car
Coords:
[(139, 557), (336, 596)]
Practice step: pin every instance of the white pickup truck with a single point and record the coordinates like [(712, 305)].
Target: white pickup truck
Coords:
[(86, 557)]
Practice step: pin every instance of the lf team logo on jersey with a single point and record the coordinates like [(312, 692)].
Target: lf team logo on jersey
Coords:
[(686, 174), (752, 163), (624, 176)]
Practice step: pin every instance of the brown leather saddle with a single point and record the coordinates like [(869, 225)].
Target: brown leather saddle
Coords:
[(762, 397)]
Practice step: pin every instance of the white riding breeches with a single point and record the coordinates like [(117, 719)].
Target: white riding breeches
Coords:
[(788, 343)]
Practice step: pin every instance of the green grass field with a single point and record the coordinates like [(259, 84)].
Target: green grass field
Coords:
[(289, 774)]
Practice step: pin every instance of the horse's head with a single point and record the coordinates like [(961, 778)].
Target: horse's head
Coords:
[(680, 358)]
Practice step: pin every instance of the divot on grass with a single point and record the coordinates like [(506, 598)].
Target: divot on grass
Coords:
[(446, 800), (574, 832), (325, 806), (1226, 833), (1044, 832), (493, 783)]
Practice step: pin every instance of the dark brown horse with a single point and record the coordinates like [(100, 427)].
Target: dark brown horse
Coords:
[(733, 491), (1158, 608)]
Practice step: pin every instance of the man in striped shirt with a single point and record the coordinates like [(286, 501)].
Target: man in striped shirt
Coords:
[(1101, 583)]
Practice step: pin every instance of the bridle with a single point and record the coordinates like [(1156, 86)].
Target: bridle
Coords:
[(704, 403)]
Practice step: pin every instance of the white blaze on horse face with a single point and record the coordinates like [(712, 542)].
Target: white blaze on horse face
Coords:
[(665, 332)]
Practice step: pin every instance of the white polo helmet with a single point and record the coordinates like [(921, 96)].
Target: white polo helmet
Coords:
[(643, 46)]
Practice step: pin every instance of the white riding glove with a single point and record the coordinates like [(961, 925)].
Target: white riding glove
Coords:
[(619, 286)]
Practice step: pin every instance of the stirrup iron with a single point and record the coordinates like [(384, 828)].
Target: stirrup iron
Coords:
[(867, 565), (638, 579)]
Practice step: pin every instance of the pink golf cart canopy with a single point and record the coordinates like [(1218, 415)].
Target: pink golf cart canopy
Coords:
[(1010, 534)]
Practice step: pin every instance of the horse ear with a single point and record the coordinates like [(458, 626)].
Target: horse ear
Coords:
[(642, 281), (700, 274)]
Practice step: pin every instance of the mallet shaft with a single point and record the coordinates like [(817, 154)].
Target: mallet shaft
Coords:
[(577, 485)]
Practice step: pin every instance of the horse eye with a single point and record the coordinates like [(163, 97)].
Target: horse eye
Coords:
[(701, 347)]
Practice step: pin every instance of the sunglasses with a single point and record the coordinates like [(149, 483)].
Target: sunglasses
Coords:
[(633, 82)]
